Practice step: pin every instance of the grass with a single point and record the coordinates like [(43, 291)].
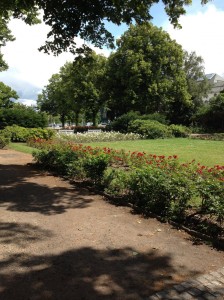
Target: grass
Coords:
[(207, 153), (21, 147)]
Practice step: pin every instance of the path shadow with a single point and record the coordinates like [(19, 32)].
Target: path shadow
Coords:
[(86, 273), (20, 234), (18, 194)]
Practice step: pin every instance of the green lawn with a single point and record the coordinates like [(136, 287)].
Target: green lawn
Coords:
[(22, 147), (208, 153)]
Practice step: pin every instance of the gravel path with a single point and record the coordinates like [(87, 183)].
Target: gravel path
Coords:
[(58, 241)]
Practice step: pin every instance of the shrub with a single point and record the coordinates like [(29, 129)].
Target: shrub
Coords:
[(94, 167), (4, 141), (160, 192), (21, 134), (150, 129), (213, 137), (35, 133), (211, 192), (116, 182), (121, 124), (89, 137), (156, 184), (16, 133), (57, 159), (156, 117), (179, 130), (23, 116)]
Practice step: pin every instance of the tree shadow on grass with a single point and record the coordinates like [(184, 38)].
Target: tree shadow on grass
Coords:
[(19, 194), (86, 273)]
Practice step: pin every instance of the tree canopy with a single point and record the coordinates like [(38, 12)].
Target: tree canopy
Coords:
[(85, 18), (76, 89), (198, 84), (6, 96), (146, 73), (211, 116)]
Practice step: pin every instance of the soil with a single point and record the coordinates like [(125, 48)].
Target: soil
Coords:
[(60, 241)]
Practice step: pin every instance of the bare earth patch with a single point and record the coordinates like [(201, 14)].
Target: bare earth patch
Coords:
[(58, 241)]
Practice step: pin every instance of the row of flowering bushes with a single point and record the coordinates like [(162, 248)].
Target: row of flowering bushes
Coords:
[(213, 136), (89, 137), (156, 184), (17, 133)]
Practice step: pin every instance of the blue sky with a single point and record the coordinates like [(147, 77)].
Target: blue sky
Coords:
[(29, 70)]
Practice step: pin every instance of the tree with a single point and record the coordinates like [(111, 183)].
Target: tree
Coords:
[(76, 89), (198, 84), (69, 19), (6, 96), (211, 116), (53, 100), (146, 74), (92, 68)]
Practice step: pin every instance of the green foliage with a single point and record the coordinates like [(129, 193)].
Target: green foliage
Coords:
[(35, 133), (71, 19), (4, 141), (75, 90), (211, 117), (6, 95), (16, 133), (211, 192), (23, 116), (95, 166), (150, 129), (161, 118), (156, 184), (57, 159), (146, 73), (160, 192), (5, 36), (21, 134), (218, 137), (121, 124), (198, 84), (116, 182), (179, 130), (53, 100)]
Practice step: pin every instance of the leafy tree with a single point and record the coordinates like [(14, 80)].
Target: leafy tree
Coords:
[(76, 89), (211, 116), (6, 96), (22, 115), (53, 100), (69, 19), (93, 67), (198, 84), (146, 74)]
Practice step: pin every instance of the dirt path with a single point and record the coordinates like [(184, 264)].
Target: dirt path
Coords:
[(61, 242)]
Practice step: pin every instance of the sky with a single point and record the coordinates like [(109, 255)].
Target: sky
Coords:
[(29, 70)]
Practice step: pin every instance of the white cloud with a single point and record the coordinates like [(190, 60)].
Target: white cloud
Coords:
[(26, 63), (202, 32), (27, 102)]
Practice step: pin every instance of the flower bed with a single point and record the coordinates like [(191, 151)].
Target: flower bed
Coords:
[(155, 184), (89, 137)]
